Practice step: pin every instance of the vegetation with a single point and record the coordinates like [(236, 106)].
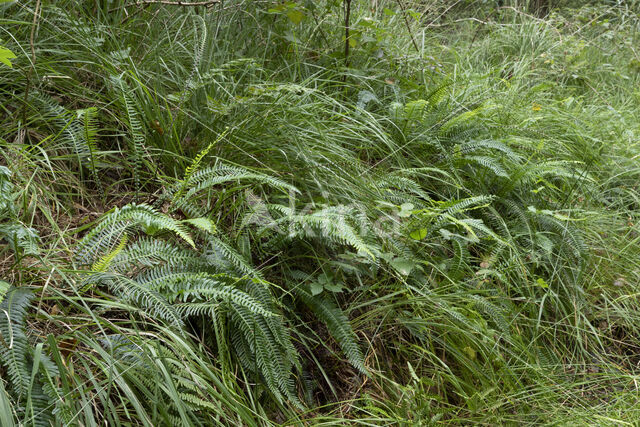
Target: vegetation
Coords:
[(385, 212)]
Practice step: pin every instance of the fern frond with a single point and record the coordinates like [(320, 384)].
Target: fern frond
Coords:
[(77, 131), (14, 347), (489, 163), (195, 165), (27, 369), (105, 261), (137, 131), (222, 251), (488, 145), (114, 224), (330, 224), (216, 175), (130, 290), (338, 326), (148, 252)]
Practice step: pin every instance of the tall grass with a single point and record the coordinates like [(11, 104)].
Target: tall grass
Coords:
[(211, 216)]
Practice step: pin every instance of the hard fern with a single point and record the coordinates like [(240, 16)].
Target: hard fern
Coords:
[(21, 239), (195, 165), (77, 131), (28, 369), (337, 324), (333, 225), (136, 130), (155, 276), (189, 190), (112, 226)]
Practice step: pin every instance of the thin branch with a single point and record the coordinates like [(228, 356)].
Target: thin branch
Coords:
[(178, 2), (347, 17), (406, 22), (33, 61), (207, 3)]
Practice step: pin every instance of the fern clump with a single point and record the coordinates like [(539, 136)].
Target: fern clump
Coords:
[(177, 283), (30, 372)]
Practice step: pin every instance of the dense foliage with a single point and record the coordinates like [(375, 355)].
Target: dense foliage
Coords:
[(387, 212)]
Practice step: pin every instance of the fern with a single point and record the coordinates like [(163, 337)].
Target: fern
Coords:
[(132, 291), (459, 120), (195, 165), (496, 313), (115, 224), (173, 283), (137, 132), (15, 347), (6, 193), (222, 253), (489, 163), (338, 326), (90, 128), (27, 369), (103, 263), (21, 239), (77, 131), (203, 179), (460, 259), (329, 224), (486, 145)]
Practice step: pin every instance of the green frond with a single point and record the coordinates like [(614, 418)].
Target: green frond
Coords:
[(488, 163), (225, 253), (195, 165), (136, 129), (129, 290), (29, 369), (338, 326), (77, 131), (14, 348), (183, 193), (109, 231), (486, 145), (105, 261), (22, 240), (329, 225), (148, 252)]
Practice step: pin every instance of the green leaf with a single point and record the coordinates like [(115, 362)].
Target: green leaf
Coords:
[(403, 266), (388, 11), (324, 279), (471, 353), (4, 287), (334, 287), (5, 56), (204, 224), (316, 288), (295, 16), (406, 209), (542, 283), (418, 234)]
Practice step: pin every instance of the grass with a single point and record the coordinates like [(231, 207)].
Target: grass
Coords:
[(209, 218)]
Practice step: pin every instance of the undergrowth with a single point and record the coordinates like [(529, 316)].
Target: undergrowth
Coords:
[(235, 215)]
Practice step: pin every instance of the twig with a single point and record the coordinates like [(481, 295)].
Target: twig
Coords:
[(33, 61), (206, 3), (406, 22), (347, 17)]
